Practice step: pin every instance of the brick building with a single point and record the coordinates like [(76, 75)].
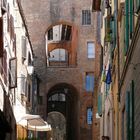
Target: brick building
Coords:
[(63, 35)]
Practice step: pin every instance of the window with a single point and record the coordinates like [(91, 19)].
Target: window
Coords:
[(23, 84), (91, 50), (86, 17), (58, 55), (89, 82), (12, 72), (1, 37), (23, 45), (89, 115)]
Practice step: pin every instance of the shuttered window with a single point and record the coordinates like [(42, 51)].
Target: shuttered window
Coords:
[(4, 64), (100, 105), (12, 73), (23, 45), (128, 23), (11, 27), (127, 114), (137, 5), (130, 112), (108, 29), (23, 84), (89, 115), (126, 26), (131, 128), (130, 17), (86, 17), (1, 37)]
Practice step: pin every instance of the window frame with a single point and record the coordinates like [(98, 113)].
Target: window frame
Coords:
[(89, 88), (93, 53), (89, 116), (86, 17)]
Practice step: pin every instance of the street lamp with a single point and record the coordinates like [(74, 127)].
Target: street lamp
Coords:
[(30, 69)]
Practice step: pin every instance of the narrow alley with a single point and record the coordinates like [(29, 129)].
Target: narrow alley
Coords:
[(69, 69)]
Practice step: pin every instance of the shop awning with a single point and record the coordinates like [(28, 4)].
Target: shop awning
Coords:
[(34, 123)]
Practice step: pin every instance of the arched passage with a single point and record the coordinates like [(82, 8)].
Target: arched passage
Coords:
[(63, 98), (64, 36)]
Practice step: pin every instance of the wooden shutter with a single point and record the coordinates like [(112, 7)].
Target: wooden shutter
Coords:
[(23, 84), (11, 27), (13, 72), (5, 66), (138, 5), (1, 37), (126, 26), (108, 29), (127, 115), (131, 127), (96, 5), (130, 17), (23, 45), (100, 105)]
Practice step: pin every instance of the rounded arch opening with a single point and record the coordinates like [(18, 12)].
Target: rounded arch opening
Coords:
[(61, 35), (63, 98)]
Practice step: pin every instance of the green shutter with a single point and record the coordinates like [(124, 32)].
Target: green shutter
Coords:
[(127, 115), (131, 128), (138, 4), (130, 17), (126, 26), (100, 105), (130, 112)]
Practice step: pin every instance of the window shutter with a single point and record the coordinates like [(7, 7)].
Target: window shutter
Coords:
[(23, 84), (131, 110), (126, 26), (13, 73), (131, 17), (100, 105), (127, 115), (138, 5), (5, 66), (1, 37), (96, 5), (108, 29), (23, 45), (11, 27)]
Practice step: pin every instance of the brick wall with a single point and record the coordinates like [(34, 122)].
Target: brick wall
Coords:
[(40, 16)]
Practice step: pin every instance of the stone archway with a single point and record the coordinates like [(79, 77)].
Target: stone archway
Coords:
[(63, 99)]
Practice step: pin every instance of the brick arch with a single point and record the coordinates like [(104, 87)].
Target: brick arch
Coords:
[(71, 107), (75, 93), (70, 46)]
